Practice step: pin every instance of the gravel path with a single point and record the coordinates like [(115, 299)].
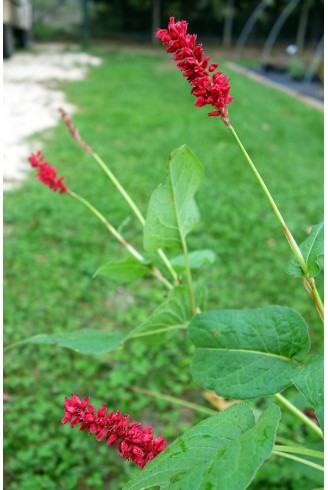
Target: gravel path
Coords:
[(31, 100)]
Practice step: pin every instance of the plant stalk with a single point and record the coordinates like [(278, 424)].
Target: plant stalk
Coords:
[(134, 208), (119, 187), (155, 272), (299, 450), (292, 243), (309, 284), (175, 401), (194, 309), (283, 441), (159, 330), (74, 132), (299, 460), (287, 404)]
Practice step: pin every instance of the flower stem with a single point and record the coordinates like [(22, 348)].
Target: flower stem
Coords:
[(309, 282), (287, 404), (158, 330), (175, 401), (299, 450), (290, 239), (134, 208), (119, 187), (194, 309), (156, 272), (284, 441), (299, 460), (74, 132)]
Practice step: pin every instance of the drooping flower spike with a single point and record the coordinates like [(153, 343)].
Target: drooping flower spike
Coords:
[(46, 173), (134, 442), (210, 89)]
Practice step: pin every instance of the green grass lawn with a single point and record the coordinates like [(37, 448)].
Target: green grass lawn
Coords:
[(134, 110)]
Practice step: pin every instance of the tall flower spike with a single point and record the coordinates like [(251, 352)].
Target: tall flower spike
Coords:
[(46, 173), (133, 441), (189, 57)]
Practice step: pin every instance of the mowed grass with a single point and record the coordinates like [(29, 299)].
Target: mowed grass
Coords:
[(134, 110)]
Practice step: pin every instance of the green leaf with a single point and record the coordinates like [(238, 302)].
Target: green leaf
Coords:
[(197, 259), (84, 341), (223, 452), (172, 211), (309, 380), (243, 354), (125, 270), (174, 313), (124, 224), (312, 248)]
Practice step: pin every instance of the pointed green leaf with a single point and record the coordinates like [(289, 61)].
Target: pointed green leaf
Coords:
[(124, 224), (221, 453), (312, 248), (197, 259), (309, 380), (126, 270), (84, 341), (173, 314), (243, 354), (172, 211)]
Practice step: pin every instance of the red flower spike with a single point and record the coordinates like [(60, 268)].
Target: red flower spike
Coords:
[(46, 173), (191, 61), (133, 441)]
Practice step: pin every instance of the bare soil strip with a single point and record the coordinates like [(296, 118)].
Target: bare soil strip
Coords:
[(32, 98)]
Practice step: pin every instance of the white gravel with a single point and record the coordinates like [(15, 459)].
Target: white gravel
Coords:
[(31, 102)]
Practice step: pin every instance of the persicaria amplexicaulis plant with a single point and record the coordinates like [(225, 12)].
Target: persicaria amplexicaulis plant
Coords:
[(133, 441), (238, 354)]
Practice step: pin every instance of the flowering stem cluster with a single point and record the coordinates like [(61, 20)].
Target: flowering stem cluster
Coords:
[(47, 175), (214, 91), (74, 132), (133, 441)]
